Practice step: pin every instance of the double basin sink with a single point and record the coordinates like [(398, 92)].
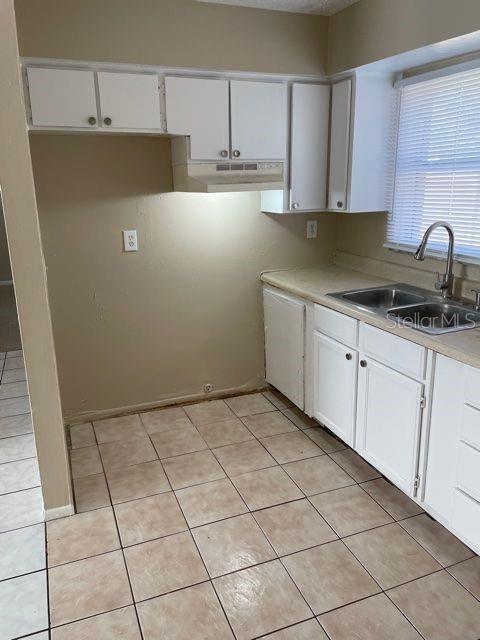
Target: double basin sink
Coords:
[(409, 306)]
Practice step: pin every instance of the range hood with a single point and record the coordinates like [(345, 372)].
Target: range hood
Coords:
[(222, 177)]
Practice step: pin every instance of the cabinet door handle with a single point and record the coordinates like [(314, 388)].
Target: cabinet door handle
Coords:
[(107, 121), (236, 153), (92, 120), (363, 363), (348, 356), (223, 153), (339, 204), (295, 205)]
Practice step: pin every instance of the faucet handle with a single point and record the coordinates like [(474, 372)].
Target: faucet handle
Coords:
[(439, 281), (476, 304)]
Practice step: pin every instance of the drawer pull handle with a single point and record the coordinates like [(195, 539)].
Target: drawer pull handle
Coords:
[(363, 363)]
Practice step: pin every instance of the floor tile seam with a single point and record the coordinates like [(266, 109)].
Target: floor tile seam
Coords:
[(458, 581), (18, 459), (360, 484), (424, 547), (410, 536), (140, 630), (290, 626), (9, 493), (410, 622), (201, 558)]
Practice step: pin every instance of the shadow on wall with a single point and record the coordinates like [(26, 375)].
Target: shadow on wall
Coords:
[(183, 311), (5, 269)]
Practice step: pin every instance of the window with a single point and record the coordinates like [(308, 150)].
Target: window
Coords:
[(437, 170)]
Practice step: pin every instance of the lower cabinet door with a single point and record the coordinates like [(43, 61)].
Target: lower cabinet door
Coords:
[(335, 386), (388, 422)]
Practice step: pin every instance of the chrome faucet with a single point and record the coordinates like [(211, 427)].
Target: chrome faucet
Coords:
[(443, 283)]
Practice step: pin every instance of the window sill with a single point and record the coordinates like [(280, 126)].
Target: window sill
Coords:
[(432, 254)]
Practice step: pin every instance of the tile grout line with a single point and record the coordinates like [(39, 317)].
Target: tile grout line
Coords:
[(201, 557), (357, 483), (120, 543)]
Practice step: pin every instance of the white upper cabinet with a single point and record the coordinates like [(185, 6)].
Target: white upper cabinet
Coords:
[(339, 145), (361, 126), (199, 108), (309, 146), (258, 120), (129, 100), (62, 98)]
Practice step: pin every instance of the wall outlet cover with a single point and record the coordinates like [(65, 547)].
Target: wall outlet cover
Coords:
[(130, 242), (311, 229)]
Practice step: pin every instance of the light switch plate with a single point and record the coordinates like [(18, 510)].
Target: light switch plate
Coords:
[(130, 240), (311, 229)]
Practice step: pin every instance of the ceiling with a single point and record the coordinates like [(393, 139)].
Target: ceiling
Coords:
[(321, 7)]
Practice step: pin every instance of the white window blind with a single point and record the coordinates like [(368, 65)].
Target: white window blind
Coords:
[(437, 169)]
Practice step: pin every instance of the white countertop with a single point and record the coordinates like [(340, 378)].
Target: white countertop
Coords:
[(314, 283)]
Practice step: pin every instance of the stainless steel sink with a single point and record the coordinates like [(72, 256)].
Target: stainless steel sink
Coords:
[(437, 317), (384, 298), (405, 305)]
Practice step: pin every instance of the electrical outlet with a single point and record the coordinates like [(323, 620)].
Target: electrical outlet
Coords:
[(311, 229), (208, 388), (130, 240)]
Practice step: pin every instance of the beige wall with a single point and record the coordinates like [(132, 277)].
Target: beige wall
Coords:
[(29, 275), (363, 234), (375, 29), (134, 328), (180, 33)]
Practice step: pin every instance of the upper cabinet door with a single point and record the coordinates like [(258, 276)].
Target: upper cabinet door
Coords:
[(198, 108), (309, 146), (62, 97), (129, 100), (259, 120), (339, 145)]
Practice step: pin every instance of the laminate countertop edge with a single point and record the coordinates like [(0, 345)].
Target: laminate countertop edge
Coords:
[(314, 283)]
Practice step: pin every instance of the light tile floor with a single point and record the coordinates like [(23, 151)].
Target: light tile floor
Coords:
[(23, 575), (239, 519), (244, 519)]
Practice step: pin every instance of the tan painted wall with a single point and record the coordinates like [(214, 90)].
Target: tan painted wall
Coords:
[(363, 235), (133, 328), (180, 33), (28, 268), (375, 29)]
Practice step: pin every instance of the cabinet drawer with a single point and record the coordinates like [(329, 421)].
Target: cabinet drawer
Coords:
[(473, 387), (470, 427), (336, 325), (400, 354), (466, 518)]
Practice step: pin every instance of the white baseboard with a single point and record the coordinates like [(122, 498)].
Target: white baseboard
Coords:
[(59, 512)]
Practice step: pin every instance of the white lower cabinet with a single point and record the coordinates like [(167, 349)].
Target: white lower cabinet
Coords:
[(284, 323), (388, 422), (452, 487), (414, 415), (335, 382)]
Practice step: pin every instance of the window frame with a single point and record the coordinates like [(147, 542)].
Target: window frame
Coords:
[(402, 81)]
